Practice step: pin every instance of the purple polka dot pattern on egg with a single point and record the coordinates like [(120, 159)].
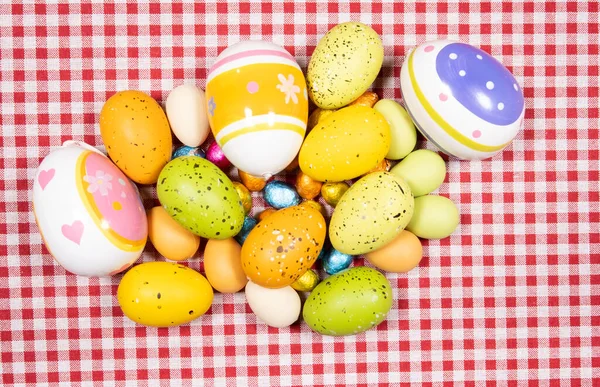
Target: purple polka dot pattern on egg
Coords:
[(469, 72)]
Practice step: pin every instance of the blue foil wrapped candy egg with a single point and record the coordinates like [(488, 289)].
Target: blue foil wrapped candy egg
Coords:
[(188, 151), (462, 99), (334, 261), (249, 223), (279, 194)]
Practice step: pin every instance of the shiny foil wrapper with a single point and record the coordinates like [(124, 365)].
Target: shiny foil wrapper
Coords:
[(307, 187), (307, 282), (188, 151), (316, 205), (215, 155), (333, 192), (245, 196), (334, 261), (265, 214), (248, 225), (368, 99), (280, 195), (253, 183), (384, 166)]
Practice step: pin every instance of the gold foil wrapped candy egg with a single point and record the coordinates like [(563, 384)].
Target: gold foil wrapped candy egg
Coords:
[(316, 205), (265, 213), (245, 196), (307, 282), (368, 99), (253, 183), (307, 187), (332, 192)]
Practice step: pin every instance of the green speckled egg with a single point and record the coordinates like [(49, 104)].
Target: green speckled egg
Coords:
[(344, 64), (198, 195), (349, 302), (345, 145), (371, 213)]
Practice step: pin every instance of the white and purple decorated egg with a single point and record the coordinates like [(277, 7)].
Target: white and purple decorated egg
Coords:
[(461, 99), (89, 214)]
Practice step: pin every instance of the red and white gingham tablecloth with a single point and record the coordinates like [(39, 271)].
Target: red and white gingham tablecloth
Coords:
[(511, 298)]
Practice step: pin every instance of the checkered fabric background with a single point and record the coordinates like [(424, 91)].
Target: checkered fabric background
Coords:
[(511, 298)]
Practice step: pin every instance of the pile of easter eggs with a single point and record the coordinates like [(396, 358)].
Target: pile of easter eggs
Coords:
[(341, 182)]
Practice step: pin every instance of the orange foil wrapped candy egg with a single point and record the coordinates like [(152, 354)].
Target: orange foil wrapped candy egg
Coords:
[(257, 106)]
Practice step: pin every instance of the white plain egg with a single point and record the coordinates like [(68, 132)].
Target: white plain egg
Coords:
[(278, 308), (186, 111)]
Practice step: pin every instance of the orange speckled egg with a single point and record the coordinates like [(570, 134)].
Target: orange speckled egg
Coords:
[(283, 246), (137, 135)]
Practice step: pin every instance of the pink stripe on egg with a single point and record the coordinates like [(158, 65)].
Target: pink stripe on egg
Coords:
[(246, 54)]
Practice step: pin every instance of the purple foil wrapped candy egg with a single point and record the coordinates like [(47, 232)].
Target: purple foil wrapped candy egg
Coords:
[(462, 99), (215, 155)]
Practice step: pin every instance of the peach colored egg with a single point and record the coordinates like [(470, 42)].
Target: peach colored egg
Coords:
[(223, 267), (399, 256), (170, 238)]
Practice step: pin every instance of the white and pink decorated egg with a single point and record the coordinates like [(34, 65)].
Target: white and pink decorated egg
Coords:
[(88, 212), (462, 99)]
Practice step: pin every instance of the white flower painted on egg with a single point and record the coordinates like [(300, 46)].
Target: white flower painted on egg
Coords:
[(288, 88)]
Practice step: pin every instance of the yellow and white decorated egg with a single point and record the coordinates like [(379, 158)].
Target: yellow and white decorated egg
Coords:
[(257, 106)]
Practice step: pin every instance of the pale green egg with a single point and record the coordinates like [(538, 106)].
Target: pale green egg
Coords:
[(435, 217), (423, 170), (402, 129)]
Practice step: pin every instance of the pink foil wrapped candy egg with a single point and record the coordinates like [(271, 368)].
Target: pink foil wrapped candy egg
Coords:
[(215, 155)]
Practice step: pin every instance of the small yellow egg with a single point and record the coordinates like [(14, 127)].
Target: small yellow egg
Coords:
[(332, 192), (307, 281), (170, 238), (399, 256), (307, 187), (245, 196), (253, 183)]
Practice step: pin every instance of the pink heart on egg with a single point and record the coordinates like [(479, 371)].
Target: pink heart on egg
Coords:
[(73, 232), (443, 97), (45, 176)]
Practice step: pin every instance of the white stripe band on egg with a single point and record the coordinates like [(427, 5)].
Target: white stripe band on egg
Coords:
[(271, 118), (249, 60)]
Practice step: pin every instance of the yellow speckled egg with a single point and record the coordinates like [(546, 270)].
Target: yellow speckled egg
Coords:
[(345, 145), (257, 106), (283, 246), (137, 135), (371, 213), (163, 294), (344, 64)]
